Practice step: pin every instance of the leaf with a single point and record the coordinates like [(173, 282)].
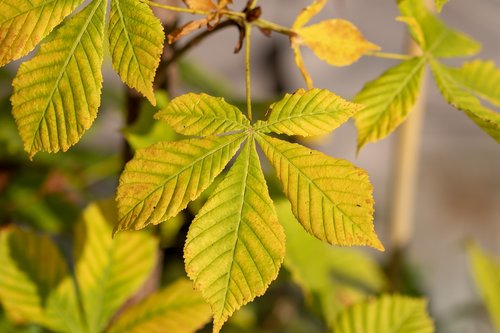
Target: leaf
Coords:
[(306, 113), (35, 285), (441, 41), (136, 43), (395, 314), (486, 272), (300, 64), (235, 245), (308, 13), (201, 114), (388, 100), (336, 277), (331, 198), (186, 29), (161, 179), (439, 4), (482, 78), (24, 23), (459, 96), (204, 5), (57, 93), (177, 308), (109, 271), (415, 29), (338, 42)]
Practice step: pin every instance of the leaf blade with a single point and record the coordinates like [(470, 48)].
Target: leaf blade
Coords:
[(109, 271), (486, 272), (239, 264), (136, 43), (336, 41), (459, 96), (35, 284), (398, 314), (176, 308), (388, 100), (331, 198), (201, 114), (23, 24), (57, 93), (307, 113), (308, 13), (481, 77), (145, 197), (440, 40)]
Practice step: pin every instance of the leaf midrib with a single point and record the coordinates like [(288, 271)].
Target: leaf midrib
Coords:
[(263, 125), (63, 69)]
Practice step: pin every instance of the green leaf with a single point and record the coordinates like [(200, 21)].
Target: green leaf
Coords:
[(336, 277), (161, 179), (136, 43), (486, 271), (458, 95), (440, 40), (306, 113), (177, 308), (235, 245), (109, 271), (24, 23), (439, 4), (482, 78), (35, 285), (331, 198), (395, 314), (388, 100), (201, 114), (57, 93)]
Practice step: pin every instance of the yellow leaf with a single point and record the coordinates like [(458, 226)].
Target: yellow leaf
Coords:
[(300, 64), (338, 42), (224, 3), (205, 5), (307, 13)]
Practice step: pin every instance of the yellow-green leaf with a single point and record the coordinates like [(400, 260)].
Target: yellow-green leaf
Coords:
[(235, 245), (57, 93), (176, 308), (415, 29), (24, 23), (136, 44), (331, 198), (480, 77), (308, 13), (336, 278), (35, 285), (389, 313), (160, 180), (306, 113), (109, 271), (486, 271), (338, 42), (201, 114), (439, 4), (441, 41), (458, 95), (388, 100)]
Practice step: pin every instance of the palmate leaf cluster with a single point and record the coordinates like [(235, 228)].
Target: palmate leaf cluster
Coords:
[(236, 243), (390, 98)]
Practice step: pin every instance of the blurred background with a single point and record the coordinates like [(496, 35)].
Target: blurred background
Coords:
[(457, 194)]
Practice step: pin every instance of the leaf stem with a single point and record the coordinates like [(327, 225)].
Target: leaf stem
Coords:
[(248, 29), (385, 55), (264, 24), (175, 8)]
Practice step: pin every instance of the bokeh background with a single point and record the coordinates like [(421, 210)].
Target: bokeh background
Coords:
[(458, 185)]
